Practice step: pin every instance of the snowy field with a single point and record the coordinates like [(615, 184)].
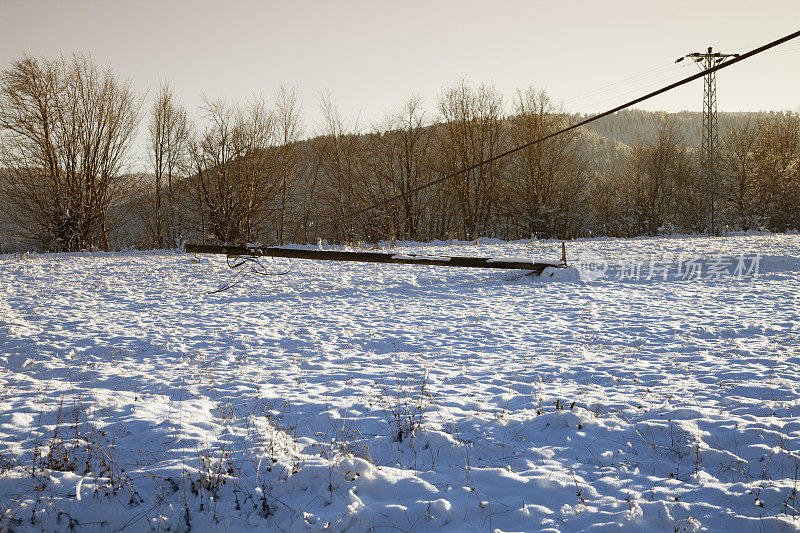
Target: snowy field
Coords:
[(363, 397)]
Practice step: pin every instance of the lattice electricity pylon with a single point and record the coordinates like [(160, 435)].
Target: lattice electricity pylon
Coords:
[(709, 140)]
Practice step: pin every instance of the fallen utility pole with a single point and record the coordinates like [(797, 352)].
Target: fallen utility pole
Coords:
[(378, 257)]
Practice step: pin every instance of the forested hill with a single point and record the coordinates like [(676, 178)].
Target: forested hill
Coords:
[(607, 140), (630, 126)]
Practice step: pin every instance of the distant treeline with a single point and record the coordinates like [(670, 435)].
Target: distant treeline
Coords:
[(251, 173)]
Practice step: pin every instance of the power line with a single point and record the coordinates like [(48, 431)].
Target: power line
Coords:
[(628, 91), (713, 68), (652, 73)]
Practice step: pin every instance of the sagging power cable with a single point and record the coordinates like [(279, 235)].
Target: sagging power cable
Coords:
[(684, 81)]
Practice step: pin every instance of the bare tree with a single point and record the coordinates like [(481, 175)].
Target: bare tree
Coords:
[(656, 188), (169, 136), (66, 131), (398, 160), (308, 188), (235, 182), (656, 174), (340, 153), (738, 172), (212, 153), (545, 188), (471, 132), (289, 130), (777, 154), (608, 203)]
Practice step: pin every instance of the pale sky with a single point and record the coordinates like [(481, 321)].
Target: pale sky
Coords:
[(372, 55)]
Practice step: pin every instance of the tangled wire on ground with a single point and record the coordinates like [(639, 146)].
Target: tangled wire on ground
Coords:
[(243, 265)]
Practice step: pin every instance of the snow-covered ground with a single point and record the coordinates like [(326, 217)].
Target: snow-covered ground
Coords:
[(364, 397)]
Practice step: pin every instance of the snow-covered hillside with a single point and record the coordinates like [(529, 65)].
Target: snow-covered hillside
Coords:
[(363, 397)]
